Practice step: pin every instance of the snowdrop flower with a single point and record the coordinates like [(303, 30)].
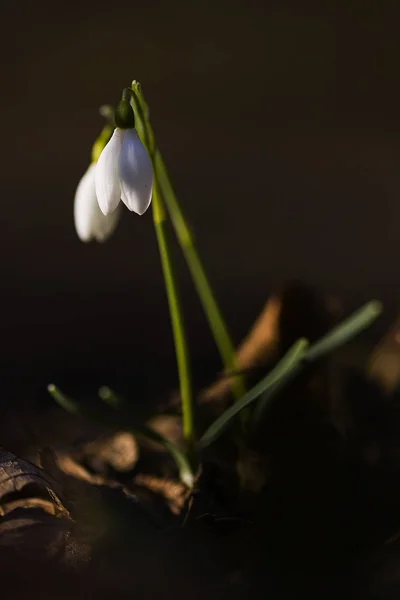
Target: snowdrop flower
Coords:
[(124, 170), (90, 223)]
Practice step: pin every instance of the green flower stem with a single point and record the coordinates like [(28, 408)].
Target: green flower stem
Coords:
[(185, 238), (213, 313), (178, 327), (175, 309)]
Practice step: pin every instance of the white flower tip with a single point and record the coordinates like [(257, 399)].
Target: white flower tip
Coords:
[(90, 223), (136, 173), (142, 211), (141, 207), (85, 240), (108, 190)]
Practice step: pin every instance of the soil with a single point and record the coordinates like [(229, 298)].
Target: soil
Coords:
[(308, 507)]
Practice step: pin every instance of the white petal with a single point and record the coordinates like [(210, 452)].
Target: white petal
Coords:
[(135, 173), (107, 185), (90, 223)]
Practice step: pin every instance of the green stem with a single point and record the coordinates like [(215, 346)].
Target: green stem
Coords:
[(175, 309), (185, 238), (178, 326), (204, 290)]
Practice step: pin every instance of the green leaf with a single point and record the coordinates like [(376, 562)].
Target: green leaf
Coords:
[(345, 331), (341, 334), (280, 372), (124, 422), (64, 401), (293, 366), (110, 397)]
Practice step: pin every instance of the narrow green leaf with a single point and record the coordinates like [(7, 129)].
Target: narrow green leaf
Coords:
[(64, 401), (282, 369), (110, 397), (123, 422), (293, 366), (345, 331), (339, 336)]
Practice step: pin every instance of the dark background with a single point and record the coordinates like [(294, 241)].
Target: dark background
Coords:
[(280, 124)]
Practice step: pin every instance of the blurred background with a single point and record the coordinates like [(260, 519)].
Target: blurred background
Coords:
[(279, 121)]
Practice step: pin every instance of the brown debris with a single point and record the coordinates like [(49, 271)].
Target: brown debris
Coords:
[(174, 493), (259, 346), (120, 451), (296, 311), (169, 426), (384, 362)]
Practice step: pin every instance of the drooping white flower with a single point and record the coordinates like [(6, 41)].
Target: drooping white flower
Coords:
[(90, 222), (124, 172)]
